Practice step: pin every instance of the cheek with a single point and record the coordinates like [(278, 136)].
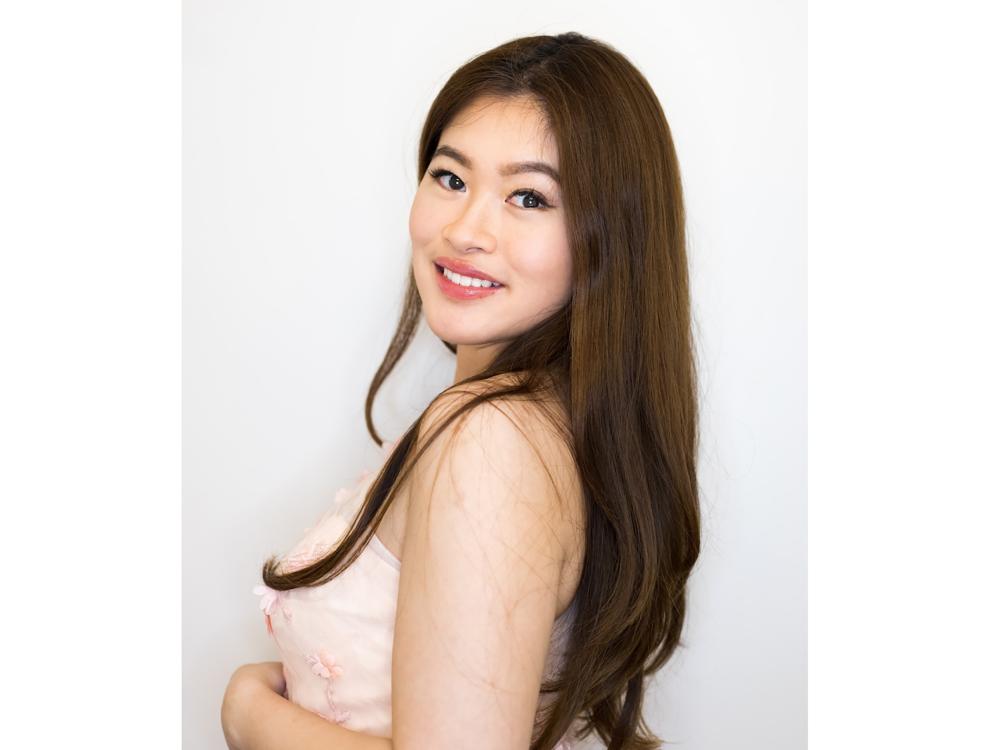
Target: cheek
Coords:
[(423, 219), (549, 261)]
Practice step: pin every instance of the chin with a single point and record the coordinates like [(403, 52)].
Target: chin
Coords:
[(452, 333)]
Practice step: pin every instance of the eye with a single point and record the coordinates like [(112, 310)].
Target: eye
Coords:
[(538, 200), (436, 173)]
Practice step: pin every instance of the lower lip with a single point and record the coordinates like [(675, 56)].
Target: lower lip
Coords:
[(455, 291)]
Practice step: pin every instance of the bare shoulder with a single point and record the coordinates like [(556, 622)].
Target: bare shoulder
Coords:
[(521, 443), (512, 433)]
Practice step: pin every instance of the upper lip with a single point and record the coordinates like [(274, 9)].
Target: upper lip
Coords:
[(463, 268)]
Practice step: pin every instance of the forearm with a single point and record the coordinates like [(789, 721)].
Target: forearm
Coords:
[(278, 724)]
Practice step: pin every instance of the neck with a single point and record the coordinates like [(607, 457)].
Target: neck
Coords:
[(473, 359)]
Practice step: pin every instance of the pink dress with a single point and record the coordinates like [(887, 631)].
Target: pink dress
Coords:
[(335, 640)]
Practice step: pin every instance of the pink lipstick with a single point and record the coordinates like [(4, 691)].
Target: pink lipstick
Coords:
[(459, 292)]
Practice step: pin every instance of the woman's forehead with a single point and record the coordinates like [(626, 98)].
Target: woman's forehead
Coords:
[(509, 130)]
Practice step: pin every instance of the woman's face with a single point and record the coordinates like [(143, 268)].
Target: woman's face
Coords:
[(476, 210)]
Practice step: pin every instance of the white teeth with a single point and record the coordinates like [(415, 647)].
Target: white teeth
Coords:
[(467, 281)]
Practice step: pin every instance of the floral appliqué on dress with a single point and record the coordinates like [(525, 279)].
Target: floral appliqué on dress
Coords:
[(324, 665), (322, 662), (269, 599)]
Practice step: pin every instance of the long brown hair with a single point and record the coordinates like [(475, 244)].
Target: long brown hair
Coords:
[(618, 358)]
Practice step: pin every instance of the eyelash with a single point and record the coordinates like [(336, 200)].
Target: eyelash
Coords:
[(439, 172)]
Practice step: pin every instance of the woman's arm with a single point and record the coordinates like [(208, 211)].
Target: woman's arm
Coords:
[(256, 717)]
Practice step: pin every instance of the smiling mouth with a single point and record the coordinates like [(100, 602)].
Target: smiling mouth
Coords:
[(440, 271)]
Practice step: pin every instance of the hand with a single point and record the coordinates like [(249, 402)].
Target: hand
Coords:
[(245, 683)]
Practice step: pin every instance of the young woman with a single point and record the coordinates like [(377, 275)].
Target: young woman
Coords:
[(517, 567)]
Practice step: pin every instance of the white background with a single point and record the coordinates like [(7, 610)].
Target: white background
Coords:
[(300, 139), (902, 375)]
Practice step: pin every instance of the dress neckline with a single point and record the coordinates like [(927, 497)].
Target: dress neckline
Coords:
[(384, 552)]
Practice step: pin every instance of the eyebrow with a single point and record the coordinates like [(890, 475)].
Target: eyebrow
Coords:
[(518, 167)]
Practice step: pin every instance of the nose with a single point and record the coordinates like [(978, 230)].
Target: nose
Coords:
[(472, 227)]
